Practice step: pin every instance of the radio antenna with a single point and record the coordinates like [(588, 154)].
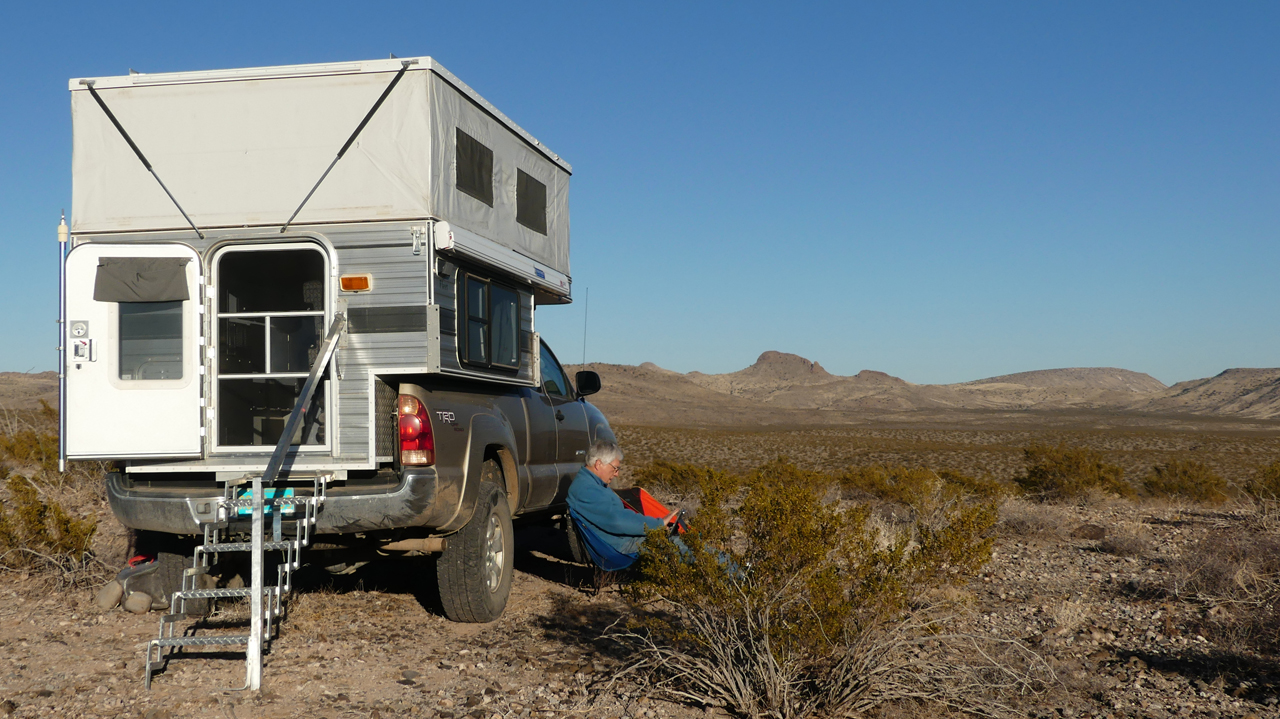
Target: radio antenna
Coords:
[(586, 307)]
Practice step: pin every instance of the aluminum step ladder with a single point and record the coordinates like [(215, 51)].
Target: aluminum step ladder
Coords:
[(266, 603)]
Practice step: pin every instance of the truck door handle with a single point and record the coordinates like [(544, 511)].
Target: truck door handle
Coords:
[(559, 415)]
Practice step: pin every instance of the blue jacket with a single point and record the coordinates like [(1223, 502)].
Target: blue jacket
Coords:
[(597, 505)]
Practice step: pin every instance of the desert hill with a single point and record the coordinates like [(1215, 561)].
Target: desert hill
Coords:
[(787, 388), (21, 390), (1244, 392)]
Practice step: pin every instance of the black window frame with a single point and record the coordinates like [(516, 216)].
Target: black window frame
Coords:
[(527, 202), (570, 392), (482, 189), (465, 317)]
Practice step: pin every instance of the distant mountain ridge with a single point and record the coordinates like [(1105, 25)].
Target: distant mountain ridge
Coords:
[(1245, 392), (791, 384), (24, 390)]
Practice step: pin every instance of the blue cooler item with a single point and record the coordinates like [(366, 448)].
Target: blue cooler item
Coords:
[(268, 493)]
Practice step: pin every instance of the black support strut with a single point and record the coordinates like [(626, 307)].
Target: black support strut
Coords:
[(404, 65), (141, 157)]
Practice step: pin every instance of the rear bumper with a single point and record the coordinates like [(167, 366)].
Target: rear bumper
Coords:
[(412, 504)]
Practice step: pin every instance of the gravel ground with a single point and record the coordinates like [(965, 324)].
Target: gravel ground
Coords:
[(1088, 588)]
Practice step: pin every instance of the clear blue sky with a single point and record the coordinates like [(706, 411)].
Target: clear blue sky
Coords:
[(942, 191)]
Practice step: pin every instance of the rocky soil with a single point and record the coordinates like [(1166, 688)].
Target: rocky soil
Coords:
[(1091, 588), (370, 644), (1088, 588)]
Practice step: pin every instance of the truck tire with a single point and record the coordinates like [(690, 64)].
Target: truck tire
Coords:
[(172, 558), (474, 571)]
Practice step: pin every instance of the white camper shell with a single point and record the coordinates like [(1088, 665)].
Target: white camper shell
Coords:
[(436, 235)]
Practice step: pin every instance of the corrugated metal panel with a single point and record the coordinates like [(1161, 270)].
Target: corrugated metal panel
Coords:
[(401, 279), (382, 334), (353, 417)]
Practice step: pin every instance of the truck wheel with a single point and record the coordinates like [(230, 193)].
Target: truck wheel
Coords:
[(169, 575), (173, 557), (474, 571)]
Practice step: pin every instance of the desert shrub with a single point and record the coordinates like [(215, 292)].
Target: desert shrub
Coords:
[(1064, 473), (1022, 518), (30, 440), (1264, 487), (787, 606), (905, 485), (684, 480), (1186, 479), (985, 487), (1236, 574), (37, 532), (892, 484), (1127, 540)]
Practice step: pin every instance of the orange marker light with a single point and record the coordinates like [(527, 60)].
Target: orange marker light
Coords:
[(356, 283)]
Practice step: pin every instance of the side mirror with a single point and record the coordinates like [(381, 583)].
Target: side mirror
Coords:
[(588, 382)]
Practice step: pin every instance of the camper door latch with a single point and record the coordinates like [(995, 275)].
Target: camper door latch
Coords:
[(419, 234), (82, 350)]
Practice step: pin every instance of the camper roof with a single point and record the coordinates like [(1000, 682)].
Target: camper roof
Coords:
[(401, 139), (137, 79)]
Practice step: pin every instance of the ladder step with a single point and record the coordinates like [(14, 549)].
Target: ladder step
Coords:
[(216, 593), (234, 508), (222, 641), (244, 546), (270, 502)]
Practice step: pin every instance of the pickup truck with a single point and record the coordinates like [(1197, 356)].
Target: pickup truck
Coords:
[(473, 456)]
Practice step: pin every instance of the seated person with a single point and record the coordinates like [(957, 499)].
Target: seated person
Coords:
[(595, 504)]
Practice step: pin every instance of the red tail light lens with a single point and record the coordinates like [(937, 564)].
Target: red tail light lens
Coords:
[(417, 445)]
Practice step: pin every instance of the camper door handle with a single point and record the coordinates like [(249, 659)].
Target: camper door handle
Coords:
[(559, 415)]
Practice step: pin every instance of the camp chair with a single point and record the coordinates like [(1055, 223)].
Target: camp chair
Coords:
[(641, 502), (602, 555)]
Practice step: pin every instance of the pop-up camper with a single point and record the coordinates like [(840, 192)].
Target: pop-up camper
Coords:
[(226, 223)]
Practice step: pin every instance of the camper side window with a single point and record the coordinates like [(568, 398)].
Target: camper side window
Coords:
[(474, 164), (531, 202), (489, 324)]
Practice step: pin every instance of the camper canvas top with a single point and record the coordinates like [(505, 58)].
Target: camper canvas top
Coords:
[(242, 149)]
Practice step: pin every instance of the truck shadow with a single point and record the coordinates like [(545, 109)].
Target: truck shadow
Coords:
[(541, 550), (414, 576)]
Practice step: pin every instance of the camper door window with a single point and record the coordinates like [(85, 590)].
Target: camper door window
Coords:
[(490, 327), (271, 310), (150, 340)]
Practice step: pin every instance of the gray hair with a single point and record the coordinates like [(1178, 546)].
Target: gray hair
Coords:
[(602, 450)]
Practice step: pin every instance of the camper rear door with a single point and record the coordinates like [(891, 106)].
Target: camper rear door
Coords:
[(133, 351)]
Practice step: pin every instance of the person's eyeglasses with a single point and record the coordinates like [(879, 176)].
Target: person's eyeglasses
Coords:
[(615, 467)]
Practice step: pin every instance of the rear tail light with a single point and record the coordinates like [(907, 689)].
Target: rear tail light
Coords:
[(417, 446)]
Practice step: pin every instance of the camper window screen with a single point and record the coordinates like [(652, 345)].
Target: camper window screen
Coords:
[(271, 312), (491, 328), (475, 168), (150, 340), (531, 202)]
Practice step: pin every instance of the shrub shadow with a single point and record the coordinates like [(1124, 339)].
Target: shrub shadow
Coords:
[(1243, 676)]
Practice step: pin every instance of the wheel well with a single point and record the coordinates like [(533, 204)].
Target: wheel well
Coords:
[(510, 476)]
